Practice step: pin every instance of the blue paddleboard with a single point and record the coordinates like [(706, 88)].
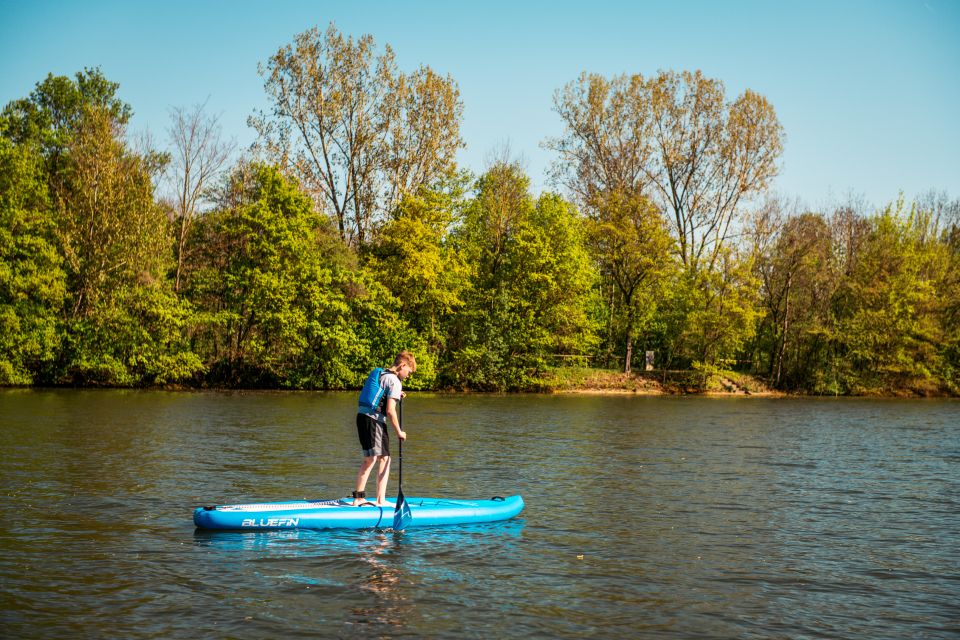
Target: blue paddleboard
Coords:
[(341, 514)]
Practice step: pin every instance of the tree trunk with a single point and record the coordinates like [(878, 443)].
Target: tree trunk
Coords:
[(783, 335)]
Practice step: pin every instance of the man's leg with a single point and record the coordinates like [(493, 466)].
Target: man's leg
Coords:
[(365, 467), (382, 478)]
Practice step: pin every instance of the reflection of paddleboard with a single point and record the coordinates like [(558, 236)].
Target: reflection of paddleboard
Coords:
[(341, 514)]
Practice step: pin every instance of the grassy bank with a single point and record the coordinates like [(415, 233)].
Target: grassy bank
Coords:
[(589, 380), (713, 382)]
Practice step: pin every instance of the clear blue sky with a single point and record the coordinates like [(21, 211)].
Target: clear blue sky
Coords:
[(868, 91)]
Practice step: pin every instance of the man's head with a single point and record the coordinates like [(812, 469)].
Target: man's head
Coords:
[(404, 364)]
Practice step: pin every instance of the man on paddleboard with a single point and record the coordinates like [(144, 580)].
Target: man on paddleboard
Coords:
[(378, 405)]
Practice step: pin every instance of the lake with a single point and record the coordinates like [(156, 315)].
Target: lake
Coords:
[(654, 517)]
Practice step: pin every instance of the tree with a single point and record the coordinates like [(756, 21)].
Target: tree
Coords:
[(118, 321), (607, 146), (52, 112), (797, 286), (427, 276), (723, 317), (529, 286), (273, 285), (951, 305), (199, 154), (123, 320), (32, 281), (110, 228), (889, 309), (356, 132), (672, 138), (631, 243)]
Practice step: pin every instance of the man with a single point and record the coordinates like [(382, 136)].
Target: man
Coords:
[(378, 406)]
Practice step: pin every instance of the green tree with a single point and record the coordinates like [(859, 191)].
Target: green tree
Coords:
[(951, 302), (420, 266), (112, 239), (630, 241), (889, 312), (50, 116), (274, 287), (530, 283), (122, 318), (32, 280), (676, 139), (797, 278), (722, 310)]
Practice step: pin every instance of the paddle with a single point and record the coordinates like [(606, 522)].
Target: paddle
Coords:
[(401, 513)]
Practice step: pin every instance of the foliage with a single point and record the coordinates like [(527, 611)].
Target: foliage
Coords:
[(51, 115), (32, 280), (889, 311), (96, 208), (673, 138), (269, 280), (630, 242), (529, 283), (355, 131), (858, 304), (280, 284)]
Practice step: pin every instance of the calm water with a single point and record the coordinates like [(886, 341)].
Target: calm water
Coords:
[(646, 517)]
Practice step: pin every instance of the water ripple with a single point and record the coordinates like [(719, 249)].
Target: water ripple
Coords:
[(646, 517)]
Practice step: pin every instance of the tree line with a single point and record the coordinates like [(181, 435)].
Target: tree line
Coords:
[(348, 233)]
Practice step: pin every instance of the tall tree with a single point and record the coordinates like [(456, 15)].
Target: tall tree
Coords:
[(529, 287), (797, 286), (32, 280), (607, 144), (199, 155), (355, 131), (51, 114), (120, 323), (888, 310), (110, 227), (674, 138), (124, 322), (272, 283), (632, 245)]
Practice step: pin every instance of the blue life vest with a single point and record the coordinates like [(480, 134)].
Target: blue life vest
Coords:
[(372, 393)]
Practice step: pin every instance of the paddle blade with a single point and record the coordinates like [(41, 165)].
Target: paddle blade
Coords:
[(401, 513)]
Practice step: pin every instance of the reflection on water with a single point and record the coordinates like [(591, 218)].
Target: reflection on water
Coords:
[(651, 517)]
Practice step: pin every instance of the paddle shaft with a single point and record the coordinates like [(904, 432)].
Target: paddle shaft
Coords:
[(400, 450)]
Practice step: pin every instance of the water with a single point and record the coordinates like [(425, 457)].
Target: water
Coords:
[(646, 517)]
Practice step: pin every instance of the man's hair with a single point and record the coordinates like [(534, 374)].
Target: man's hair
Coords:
[(405, 357)]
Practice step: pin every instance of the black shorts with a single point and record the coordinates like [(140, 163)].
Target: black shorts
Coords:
[(374, 439)]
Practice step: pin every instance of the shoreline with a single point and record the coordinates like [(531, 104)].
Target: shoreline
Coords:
[(586, 382), (718, 383), (586, 391)]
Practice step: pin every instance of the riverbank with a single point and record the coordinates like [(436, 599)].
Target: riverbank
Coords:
[(583, 380), (589, 381)]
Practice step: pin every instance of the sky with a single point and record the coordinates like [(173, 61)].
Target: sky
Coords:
[(868, 91)]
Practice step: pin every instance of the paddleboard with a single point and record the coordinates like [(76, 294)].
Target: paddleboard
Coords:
[(341, 514)]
